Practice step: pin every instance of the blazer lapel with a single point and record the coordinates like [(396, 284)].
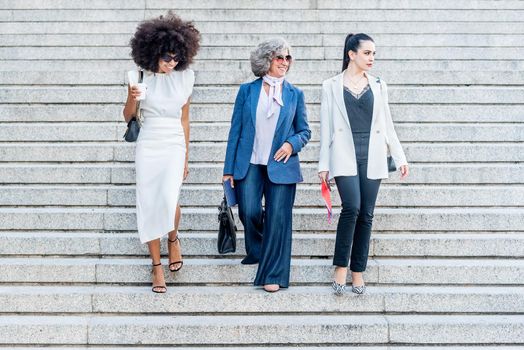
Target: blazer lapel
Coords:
[(287, 99), (376, 88), (338, 92), (255, 95)]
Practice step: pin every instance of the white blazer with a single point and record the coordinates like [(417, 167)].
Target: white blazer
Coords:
[(337, 151)]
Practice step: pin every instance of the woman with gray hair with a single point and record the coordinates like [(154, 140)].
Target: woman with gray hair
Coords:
[(268, 128)]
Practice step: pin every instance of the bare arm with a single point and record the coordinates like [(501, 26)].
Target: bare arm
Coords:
[(185, 126), (130, 106)]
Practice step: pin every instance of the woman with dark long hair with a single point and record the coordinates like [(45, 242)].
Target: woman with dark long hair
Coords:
[(356, 135)]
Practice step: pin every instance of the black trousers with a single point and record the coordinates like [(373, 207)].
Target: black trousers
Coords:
[(358, 195)]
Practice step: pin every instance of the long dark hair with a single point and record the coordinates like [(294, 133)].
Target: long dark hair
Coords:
[(352, 43)]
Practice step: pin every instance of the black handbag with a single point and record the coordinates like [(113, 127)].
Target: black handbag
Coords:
[(132, 131), (227, 230), (133, 126)]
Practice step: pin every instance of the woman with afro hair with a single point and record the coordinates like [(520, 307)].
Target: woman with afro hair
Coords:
[(163, 48)]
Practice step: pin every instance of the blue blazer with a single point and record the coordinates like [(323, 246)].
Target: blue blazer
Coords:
[(292, 127)]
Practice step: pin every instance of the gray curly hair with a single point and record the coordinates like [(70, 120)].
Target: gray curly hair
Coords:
[(264, 53)]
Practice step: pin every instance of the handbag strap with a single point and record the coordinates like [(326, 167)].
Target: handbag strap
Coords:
[(138, 110)]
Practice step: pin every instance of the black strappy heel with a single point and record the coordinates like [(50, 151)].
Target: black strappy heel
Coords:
[(174, 263), (158, 289)]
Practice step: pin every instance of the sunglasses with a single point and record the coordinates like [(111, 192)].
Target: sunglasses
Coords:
[(281, 58), (168, 58)]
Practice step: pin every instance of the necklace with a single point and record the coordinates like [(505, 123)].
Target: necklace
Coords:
[(355, 84)]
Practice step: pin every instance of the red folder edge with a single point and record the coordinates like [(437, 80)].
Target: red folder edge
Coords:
[(326, 194)]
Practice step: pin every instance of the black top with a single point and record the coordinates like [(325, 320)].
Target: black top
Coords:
[(359, 109)]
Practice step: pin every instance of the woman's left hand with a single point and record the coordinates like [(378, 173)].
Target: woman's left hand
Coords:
[(284, 152), (404, 171)]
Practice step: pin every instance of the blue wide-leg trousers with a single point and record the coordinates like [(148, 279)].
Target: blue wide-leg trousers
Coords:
[(267, 232)]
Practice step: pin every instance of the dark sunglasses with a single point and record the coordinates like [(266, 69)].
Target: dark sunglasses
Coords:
[(281, 58), (168, 58)]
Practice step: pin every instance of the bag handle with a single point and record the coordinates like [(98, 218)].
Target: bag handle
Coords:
[(138, 110)]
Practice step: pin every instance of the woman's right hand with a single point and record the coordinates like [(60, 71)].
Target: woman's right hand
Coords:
[(134, 92), (131, 103), (323, 175), (229, 177)]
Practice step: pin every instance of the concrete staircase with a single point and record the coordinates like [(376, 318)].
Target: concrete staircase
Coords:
[(446, 268)]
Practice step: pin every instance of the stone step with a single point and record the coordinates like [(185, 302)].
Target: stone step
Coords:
[(302, 53), (256, 347), (434, 152), (123, 53), (111, 131), (225, 300), (242, 15), (142, 4), (307, 196), (214, 152), (343, 13), (258, 4), (414, 4), (393, 78), (392, 66), (305, 219), (282, 28), (233, 65), (451, 244), (433, 53), (420, 113), (248, 39), (252, 330), (230, 271), (278, 28), (403, 94), (431, 40), (299, 77), (203, 173)]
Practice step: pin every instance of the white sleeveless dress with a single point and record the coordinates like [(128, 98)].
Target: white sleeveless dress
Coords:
[(160, 152)]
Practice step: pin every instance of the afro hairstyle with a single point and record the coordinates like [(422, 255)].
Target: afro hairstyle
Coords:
[(165, 34)]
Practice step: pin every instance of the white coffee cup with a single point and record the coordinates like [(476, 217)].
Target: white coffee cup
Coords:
[(132, 77), (142, 87)]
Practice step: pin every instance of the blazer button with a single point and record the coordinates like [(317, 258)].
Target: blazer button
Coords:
[(340, 129), (378, 131)]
